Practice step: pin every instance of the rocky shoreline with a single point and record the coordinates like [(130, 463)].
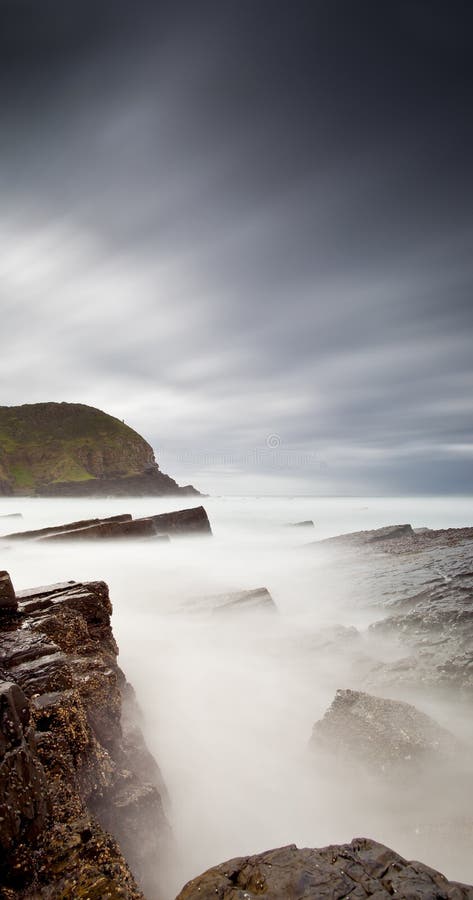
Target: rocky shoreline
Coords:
[(74, 766), (82, 799)]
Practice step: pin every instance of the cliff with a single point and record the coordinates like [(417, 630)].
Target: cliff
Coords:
[(80, 795), (69, 449)]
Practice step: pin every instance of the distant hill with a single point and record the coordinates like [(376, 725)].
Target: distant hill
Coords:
[(69, 449)]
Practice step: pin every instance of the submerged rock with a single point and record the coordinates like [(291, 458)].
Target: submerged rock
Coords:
[(308, 523), (362, 868), (380, 734), (75, 773), (243, 601)]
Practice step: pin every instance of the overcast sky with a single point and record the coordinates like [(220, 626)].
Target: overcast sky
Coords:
[(246, 228)]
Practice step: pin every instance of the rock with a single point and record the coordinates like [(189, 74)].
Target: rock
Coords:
[(435, 626), (374, 536), (244, 601), (307, 524), (25, 804), (137, 528), (422, 584), (69, 526), (362, 868), (73, 762), (8, 601), (183, 521), (380, 735), (11, 516)]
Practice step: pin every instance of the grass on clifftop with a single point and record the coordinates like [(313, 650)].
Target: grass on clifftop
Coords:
[(43, 443)]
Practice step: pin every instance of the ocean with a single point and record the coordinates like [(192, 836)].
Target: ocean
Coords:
[(229, 702)]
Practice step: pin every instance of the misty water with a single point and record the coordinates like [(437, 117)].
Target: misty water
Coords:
[(229, 702)]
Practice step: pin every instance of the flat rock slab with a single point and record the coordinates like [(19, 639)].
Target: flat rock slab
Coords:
[(131, 528), (182, 521), (69, 526), (360, 869)]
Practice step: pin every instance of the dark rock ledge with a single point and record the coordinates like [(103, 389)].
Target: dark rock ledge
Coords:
[(160, 527), (81, 813)]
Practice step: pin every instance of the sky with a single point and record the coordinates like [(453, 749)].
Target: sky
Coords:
[(246, 228)]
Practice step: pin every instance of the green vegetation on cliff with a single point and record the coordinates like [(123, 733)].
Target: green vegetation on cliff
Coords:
[(46, 446)]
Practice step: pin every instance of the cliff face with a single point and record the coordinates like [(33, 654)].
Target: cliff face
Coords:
[(80, 795), (68, 449)]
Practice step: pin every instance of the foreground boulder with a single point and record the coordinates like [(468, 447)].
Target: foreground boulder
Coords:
[(362, 868), (380, 734), (81, 813)]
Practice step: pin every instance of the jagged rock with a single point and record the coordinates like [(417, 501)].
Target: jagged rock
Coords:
[(379, 734), (422, 583), (73, 763), (8, 600), (436, 627), (24, 797), (362, 868)]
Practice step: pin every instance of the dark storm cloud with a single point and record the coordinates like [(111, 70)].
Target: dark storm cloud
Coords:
[(229, 221)]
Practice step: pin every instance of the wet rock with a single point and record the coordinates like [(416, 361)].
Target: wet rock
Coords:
[(136, 528), (183, 521), (24, 795), (362, 868), (158, 527), (379, 734), (8, 601), (69, 526), (373, 536), (72, 766)]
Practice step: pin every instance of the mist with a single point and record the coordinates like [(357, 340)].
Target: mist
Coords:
[(229, 700)]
